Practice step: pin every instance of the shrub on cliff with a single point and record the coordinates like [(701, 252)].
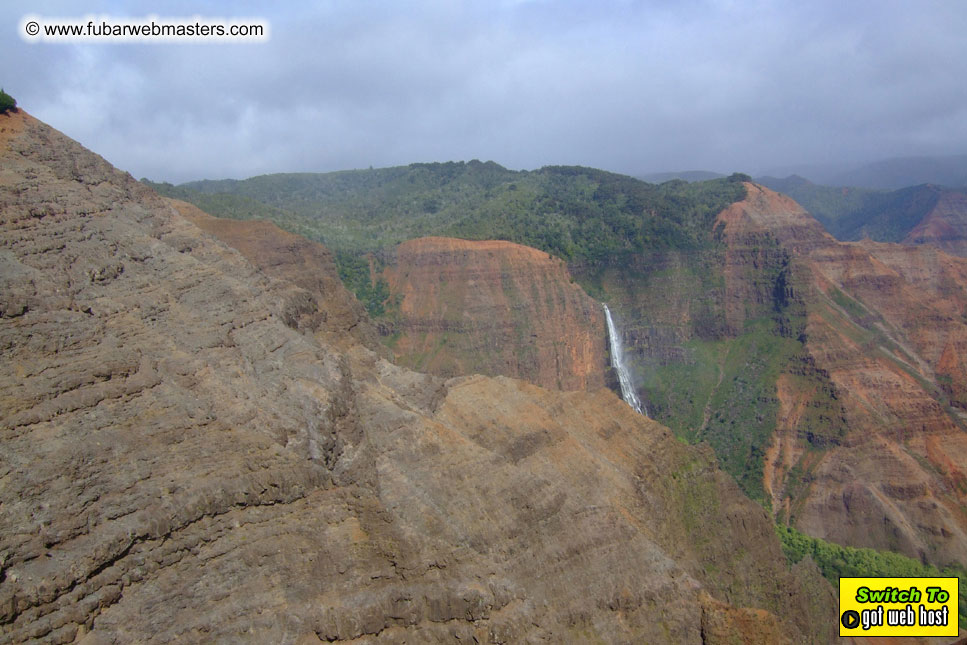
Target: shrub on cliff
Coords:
[(835, 561), (7, 102)]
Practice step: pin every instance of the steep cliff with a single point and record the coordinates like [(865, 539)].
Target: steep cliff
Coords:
[(883, 331), (827, 376), (495, 308), (187, 458)]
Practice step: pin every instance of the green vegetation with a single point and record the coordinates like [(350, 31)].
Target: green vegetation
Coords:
[(586, 216), (745, 405), (7, 102), (361, 275), (855, 213), (721, 385), (238, 207), (856, 310), (837, 561), (573, 212), (591, 216), (726, 394)]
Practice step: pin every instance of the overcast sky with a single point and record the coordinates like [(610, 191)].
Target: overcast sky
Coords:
[(635, 87)]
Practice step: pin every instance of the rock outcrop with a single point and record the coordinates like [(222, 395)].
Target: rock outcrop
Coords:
[(296, 260), (495, 308), (885, 330), (189, 456)]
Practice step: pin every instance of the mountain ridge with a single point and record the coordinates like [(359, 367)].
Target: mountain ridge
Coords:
[(917, 413), (922, 214)]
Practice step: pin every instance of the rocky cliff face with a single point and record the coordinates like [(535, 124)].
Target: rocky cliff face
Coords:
[(302, 263), (828, 376), (189, 456), (495, 308), (884, 332)]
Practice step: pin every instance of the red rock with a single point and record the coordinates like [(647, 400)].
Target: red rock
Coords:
[(495, 308)]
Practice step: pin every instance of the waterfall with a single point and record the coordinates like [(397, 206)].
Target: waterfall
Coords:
[(618, 363)]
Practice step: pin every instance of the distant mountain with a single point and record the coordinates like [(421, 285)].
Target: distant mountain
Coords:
[(687, 175), (824, 174), (888, 217), (885, 174), (892, 174), (923, 214), (825, 203), (945, 226)]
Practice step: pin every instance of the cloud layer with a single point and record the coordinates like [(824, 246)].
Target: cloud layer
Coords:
[(627, 86)]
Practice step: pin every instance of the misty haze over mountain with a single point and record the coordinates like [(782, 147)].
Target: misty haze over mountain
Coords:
[(885, 174)]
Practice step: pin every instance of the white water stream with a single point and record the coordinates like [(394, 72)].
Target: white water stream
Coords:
[(618, 363)]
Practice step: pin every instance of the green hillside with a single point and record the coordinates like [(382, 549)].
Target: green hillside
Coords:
[(836, 561), (572, 212)]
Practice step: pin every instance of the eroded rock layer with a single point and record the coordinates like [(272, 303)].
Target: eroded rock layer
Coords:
[(495, 308), (885, 327), (305, 264), (188, 456)]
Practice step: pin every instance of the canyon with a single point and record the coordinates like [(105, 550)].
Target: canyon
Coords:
[(203, 443), (828, 376)]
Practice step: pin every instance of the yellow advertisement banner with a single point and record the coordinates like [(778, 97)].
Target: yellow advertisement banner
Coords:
[(898, 607)]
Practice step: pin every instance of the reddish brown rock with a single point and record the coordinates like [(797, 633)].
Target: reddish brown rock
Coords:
[(883, 363), (885, 326), (495, 308)]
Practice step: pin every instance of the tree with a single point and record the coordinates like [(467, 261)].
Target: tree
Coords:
[(7, 102)]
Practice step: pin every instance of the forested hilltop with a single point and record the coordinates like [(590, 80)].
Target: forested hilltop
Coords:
[(573, 212)]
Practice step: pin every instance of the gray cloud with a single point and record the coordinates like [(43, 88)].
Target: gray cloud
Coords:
[(627, 86)]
